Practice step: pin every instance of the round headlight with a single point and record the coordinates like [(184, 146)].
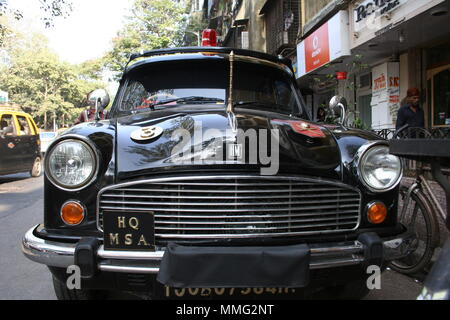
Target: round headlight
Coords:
[(379, 170), (71, 164)]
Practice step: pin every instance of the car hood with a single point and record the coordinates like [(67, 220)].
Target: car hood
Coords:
[(206, 140)]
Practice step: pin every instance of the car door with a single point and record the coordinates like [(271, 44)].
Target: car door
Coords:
[(10, 157), (28, 143)]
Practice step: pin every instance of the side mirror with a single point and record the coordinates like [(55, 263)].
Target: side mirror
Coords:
[(338, 107), (100, 98)]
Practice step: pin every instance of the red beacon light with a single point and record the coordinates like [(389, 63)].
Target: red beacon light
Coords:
[(209, 38), (341, 75)]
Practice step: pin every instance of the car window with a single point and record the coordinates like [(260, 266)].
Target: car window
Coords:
[(24, 126), (7, 125), (165, 85), (265, 87)]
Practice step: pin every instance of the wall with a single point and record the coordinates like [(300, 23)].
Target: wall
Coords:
[(256, 27), (404, 75), (310, 8)]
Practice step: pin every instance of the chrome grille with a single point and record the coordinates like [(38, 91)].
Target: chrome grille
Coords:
[(237, 206)]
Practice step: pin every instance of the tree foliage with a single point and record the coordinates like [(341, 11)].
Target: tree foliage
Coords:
[(153, 24), (44, 86), (50, 9)]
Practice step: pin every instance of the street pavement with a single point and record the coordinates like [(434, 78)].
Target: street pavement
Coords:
[(21, 207)]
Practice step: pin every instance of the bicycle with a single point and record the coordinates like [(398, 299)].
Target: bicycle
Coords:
[(419, 208), (417, 214)]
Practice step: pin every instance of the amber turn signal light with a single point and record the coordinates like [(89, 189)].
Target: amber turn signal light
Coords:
[(72, 213), (376, 212)]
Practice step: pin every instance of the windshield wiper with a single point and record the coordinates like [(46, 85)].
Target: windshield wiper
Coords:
[(195, 99), (257, 103)]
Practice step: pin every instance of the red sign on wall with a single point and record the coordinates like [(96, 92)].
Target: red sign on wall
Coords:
[(317, 49)]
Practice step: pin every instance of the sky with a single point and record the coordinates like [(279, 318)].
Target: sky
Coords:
[(86, 33)]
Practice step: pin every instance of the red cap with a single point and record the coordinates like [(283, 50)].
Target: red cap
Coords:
[(413, 92)]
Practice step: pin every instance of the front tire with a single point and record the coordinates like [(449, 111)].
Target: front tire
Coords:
[(64, 293), (36, 170)]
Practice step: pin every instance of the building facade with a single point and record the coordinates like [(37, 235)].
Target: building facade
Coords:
[(406, 44), (391, 45), (369, 51)]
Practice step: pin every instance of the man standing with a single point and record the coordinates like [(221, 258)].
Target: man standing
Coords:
[(88, 114), (411, 113)]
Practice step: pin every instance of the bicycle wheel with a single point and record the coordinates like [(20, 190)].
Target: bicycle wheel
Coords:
[(419, 218)]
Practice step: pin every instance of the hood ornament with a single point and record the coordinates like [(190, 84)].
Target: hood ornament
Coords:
[(147, 133)]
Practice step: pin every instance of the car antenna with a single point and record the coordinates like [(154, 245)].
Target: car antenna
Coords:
[(230, 96), (230, 107)]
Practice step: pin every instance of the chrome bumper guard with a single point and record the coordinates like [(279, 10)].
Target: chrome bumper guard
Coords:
[(327, 255)]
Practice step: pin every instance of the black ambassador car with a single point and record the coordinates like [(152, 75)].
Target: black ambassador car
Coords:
[(208, 179)]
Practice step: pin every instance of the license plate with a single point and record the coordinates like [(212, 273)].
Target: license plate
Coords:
[(129, 230), (170, 292)]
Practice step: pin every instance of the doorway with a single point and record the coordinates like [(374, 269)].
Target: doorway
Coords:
[(365, 110), (439, 96)]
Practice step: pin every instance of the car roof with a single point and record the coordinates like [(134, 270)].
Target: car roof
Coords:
[(17, 113), (201, 53)]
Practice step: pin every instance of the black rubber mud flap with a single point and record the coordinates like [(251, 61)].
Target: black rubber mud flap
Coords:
[(373, 249), (239, 267), (86, 257)]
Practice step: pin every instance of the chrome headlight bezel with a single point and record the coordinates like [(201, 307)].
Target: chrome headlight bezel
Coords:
[(362, 153), (92, 150)]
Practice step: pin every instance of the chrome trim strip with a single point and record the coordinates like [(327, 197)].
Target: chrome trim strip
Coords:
[(51, 253), (127, 269), (232, 191), (228, 210), (223, 204), (219, 223), (255, 229), (325, 255), (130, 255), (314, 196), (246, 235), (336, 263), (272, 216)]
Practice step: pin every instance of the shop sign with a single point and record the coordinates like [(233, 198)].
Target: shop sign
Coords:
[(376, 7), (385, 94), (372, 18), (327, 43), (317, 50), (379, 83)]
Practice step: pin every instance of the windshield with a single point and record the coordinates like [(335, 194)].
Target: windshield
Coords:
[(181, 83)]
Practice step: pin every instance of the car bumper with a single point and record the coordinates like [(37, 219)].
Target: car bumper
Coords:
[(323, 255)]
